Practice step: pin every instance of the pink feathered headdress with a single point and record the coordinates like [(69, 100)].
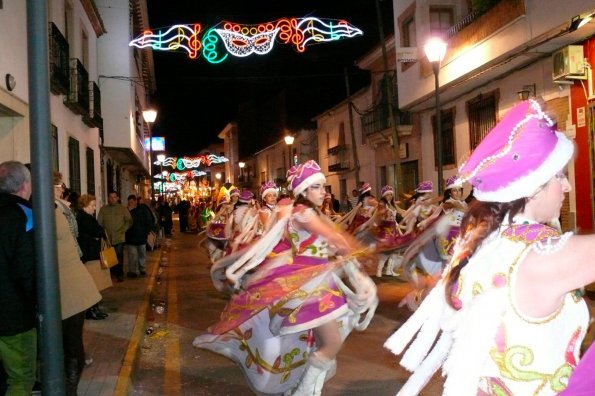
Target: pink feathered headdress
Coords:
[(519, 155), (268, 188), (304, 175)]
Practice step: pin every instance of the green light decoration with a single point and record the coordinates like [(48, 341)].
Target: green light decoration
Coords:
[(229, 38)]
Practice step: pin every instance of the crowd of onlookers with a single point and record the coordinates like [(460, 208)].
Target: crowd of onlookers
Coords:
[(80, 237)]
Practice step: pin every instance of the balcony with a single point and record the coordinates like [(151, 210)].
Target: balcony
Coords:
[(78, 98), (338, 158), (339, 166), (93, 119), (337, 149), (59, 66), (378, 119), (481, 23)]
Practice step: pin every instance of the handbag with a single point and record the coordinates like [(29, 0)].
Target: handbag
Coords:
[(107, 255), (151, 239)]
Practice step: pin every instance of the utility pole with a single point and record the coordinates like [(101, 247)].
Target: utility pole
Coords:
[(352, 131), (389, 97)]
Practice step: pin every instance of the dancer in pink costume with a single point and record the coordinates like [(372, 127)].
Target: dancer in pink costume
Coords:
[(507, 313), (269, 193), (291, 316), (358, 218), (390, 239)]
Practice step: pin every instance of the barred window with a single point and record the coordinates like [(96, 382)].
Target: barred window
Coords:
[(74, 165), (481, 112), (448, 141), (90, 171), (55, 158)]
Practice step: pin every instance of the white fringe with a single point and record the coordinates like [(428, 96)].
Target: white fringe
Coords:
[(431, 306), (418, 380), (474, 329)]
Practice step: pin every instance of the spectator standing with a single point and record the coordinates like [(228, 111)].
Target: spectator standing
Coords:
[(336, 204), (136, 237), (165, 216), (89, 239), (183, 208), (18, 334), (77, 293), (115, 219)]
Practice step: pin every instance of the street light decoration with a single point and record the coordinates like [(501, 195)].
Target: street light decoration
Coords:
[(181, 163), (242, 40)]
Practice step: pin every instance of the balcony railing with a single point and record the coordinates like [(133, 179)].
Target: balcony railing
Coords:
[(78, 98), (59, 66), (337, 149), (93, 119), (339, 166), (378, 119)]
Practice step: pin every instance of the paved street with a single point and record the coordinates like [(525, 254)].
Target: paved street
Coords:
[(177, 302)]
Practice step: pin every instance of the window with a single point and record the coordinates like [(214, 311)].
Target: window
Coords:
[(441, 19), (55, 158), (74, 165), (85, 50), (448, 142), (341, 133), (408, 34), (90, 171), (481, 112), (407, 29)]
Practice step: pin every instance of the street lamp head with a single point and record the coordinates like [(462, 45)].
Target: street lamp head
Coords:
[(241, 164), (149, 115), (218, 176), (289, 139), (160, 158), (435, 49)]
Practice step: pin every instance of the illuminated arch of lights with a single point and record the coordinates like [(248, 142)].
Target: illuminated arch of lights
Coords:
[(181, 163), (241, 40), (181, 176)]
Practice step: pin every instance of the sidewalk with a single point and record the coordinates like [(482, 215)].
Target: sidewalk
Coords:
[(113, 343)]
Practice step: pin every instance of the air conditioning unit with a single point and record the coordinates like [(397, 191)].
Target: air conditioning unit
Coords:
[(568, 63)]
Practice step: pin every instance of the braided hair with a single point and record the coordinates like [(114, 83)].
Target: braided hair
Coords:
[(481, 219)]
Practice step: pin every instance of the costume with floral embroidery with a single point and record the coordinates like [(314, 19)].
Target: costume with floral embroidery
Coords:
[(487, 345), (267, 327)]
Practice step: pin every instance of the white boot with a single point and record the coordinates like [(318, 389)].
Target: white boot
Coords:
[(395, 262), (389, 266), (379, 268), (313, 377)]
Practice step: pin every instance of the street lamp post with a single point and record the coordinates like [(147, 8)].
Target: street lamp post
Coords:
[(241, 164), (160, 159), (435, 50), (289, 141), (149, 116)]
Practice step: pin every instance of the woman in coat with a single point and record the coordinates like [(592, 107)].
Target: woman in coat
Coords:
[(89, 239), (77, 293)]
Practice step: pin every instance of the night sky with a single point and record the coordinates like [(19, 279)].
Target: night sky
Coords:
[(264, 94)]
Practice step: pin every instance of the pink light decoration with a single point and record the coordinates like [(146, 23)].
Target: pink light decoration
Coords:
[(193, 162), (243, 40)]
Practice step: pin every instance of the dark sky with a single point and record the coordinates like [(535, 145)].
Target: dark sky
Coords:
[(196, 99)]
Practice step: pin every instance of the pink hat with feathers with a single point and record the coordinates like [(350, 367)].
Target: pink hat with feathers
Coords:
[(268, 188), (519, 155), (425, 186), (386, 190), (304, 175)]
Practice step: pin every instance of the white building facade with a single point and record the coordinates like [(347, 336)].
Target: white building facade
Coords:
[(495, 54)]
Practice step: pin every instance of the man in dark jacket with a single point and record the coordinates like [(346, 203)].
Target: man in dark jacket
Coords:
[(136, 237), (18, 334)]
